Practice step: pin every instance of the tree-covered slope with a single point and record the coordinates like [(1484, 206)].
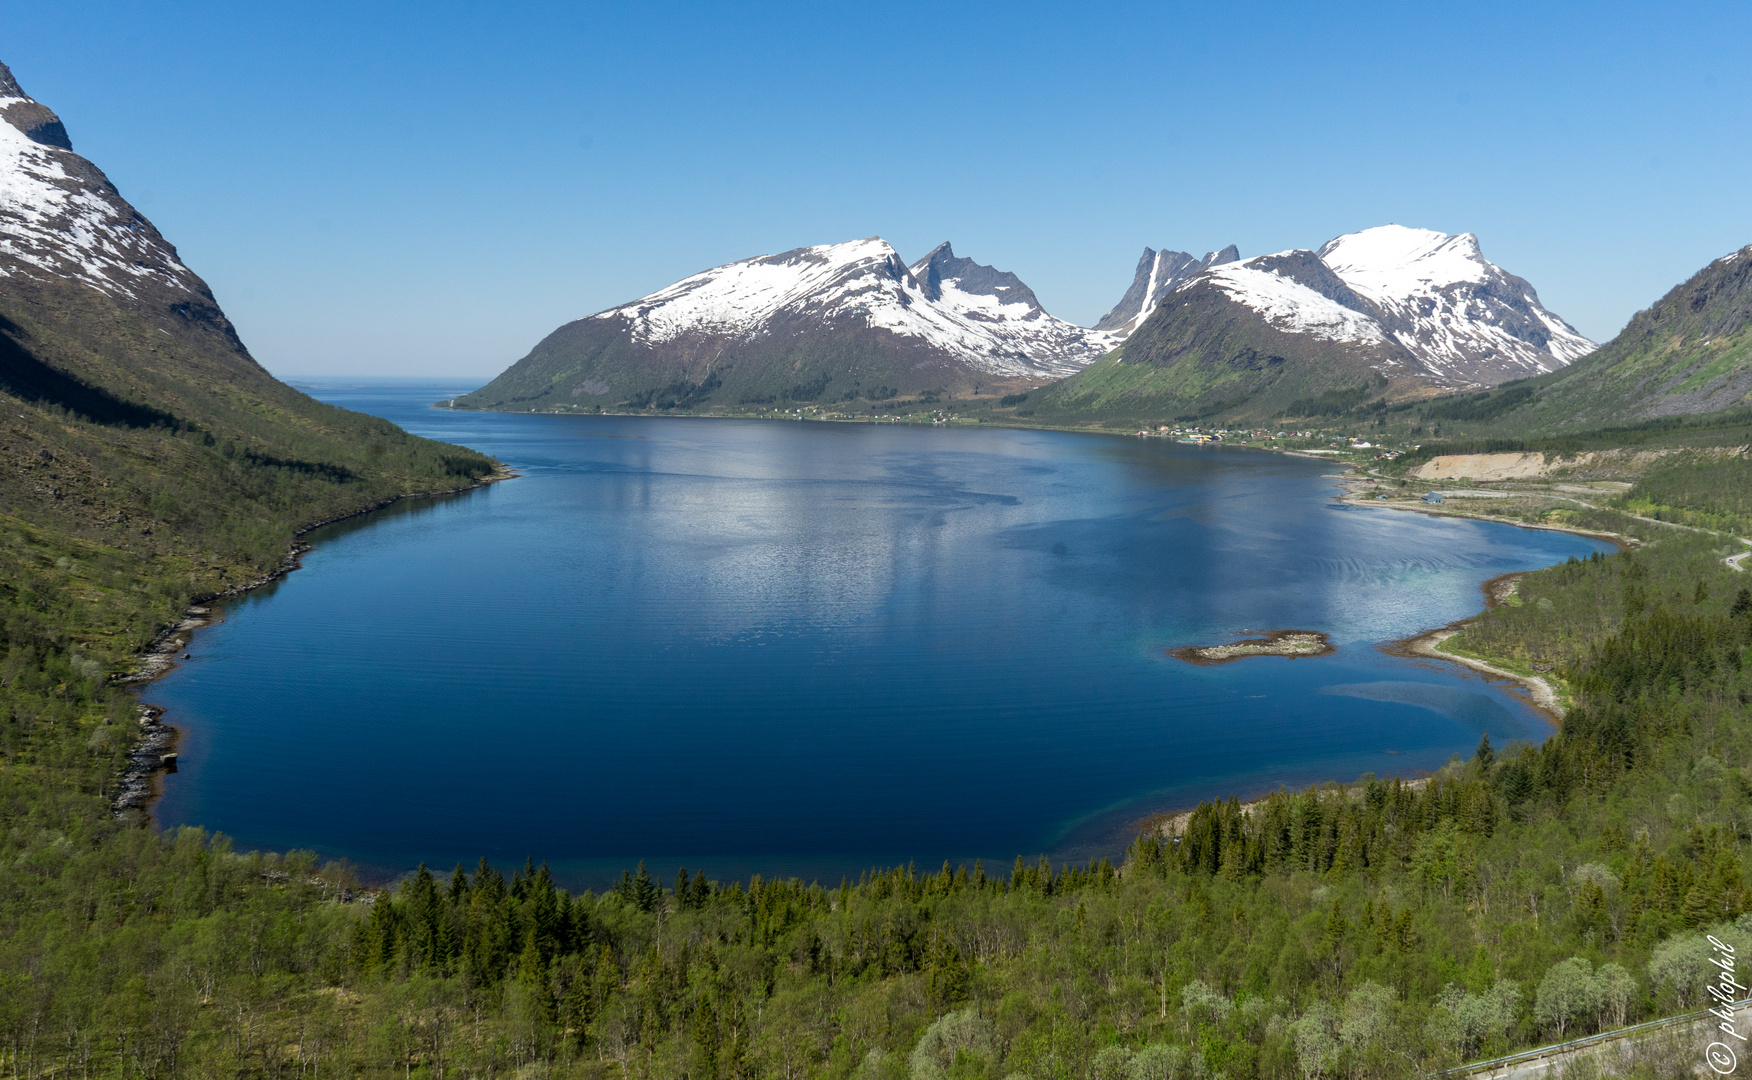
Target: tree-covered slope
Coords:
[(1377, 930), (145, 458)]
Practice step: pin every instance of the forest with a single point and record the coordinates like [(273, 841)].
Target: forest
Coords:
[(1372, 928)]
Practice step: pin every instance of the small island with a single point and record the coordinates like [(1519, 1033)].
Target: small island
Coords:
[(1275, 643)]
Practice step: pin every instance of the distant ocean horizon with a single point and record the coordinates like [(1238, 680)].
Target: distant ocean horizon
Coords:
[(812, 649)]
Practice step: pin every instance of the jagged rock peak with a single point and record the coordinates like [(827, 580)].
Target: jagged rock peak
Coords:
[(942, 265), (36, 120), (1158, 273)]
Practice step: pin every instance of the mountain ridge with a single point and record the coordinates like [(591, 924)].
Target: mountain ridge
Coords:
[(1157, 274), (833, 322)]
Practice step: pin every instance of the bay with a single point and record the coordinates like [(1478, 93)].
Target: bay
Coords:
[(807, 649)]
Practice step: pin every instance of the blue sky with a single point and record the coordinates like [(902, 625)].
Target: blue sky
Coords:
[(431, 188)]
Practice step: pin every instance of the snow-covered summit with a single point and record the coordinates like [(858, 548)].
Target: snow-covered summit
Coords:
[(984, 318), (61, 218), (1459, 313), (1450, 316), (1393, 260)]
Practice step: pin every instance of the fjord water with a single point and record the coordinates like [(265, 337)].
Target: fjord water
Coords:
[(810, 648)]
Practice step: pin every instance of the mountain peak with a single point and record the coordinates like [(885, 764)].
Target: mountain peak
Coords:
[(35, 120), (1395, 259), (64, 220), (1158, 273), (1462, 315), (941, 268)]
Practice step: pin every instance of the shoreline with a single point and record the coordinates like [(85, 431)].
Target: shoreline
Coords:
[(1171, 823), (1540, 693), (155, 752), (1534, 689), (1354, 496)]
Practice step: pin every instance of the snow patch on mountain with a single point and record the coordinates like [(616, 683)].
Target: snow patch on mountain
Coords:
[(1291, 306), (58, 218)]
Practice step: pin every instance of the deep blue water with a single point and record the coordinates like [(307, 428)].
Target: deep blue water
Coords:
[(783, 647)]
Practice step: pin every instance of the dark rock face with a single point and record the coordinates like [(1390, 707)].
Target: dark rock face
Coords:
[(38, 123), (941, 264), (1158, 273)]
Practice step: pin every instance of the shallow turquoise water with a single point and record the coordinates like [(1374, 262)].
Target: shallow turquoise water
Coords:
[(783, 647)]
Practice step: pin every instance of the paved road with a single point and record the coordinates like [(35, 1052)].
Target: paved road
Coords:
[(1693, 1039)]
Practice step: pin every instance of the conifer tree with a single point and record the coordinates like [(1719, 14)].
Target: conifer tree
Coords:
[(645, 892), (705, 1040)]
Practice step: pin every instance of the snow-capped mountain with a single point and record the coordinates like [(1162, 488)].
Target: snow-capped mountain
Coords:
[(983, 317), (1386, 313), (1296, 297), (1158, 273), (837, 322), (61, 218), (1459, 319), (1465, 318)]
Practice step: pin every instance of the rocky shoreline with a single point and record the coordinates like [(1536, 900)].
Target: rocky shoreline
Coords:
[(153, 753), (1291, 643)]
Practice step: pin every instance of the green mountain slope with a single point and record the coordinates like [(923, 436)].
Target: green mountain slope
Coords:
[(131, 415), (595, 363), (1689, 354)]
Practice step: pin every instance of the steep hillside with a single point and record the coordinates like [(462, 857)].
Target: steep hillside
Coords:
[(1689, 354), (133, 416), (839, 322)]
